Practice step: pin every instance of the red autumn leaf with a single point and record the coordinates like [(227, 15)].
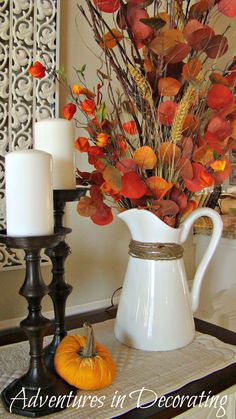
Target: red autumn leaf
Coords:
[(177, 54), (145, 158), (93, 178), (132, 186), (99, 164), (214, 142), (217, 46), (201, 179), (102, 216), (227, 7), (140, 30), (192, 26), (37, 70), (107, 6), (166, 112), (179, 197), (95, 151), (168, 86), (186, 143), (126, 165), (158, 186), (166, 207), (201, 38), (184, 167), (130, 127), (82, 144), (218, 96), (220, 127), (96, 195), (69, 111)]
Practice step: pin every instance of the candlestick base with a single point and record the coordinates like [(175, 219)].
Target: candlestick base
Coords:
[(38, 392), (35, 402)]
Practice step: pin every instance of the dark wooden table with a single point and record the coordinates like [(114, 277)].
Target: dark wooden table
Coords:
[(214, 383)]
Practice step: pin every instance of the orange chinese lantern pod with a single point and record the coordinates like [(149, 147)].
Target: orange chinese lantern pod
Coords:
[(37, 70), (84, 363)]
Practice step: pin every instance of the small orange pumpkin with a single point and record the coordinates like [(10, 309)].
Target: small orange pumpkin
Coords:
[(83, 363)]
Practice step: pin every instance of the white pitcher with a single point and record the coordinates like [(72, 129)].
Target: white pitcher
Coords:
[(155, 311)]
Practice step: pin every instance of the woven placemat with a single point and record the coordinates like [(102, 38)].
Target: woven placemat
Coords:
[(156, 372)]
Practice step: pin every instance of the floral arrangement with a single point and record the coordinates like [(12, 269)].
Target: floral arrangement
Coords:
[(166, 133)]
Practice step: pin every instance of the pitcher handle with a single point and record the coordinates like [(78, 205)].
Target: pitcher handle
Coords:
[(215, 238)]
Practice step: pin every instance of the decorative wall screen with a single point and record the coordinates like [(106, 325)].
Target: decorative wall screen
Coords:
[(29, 30)]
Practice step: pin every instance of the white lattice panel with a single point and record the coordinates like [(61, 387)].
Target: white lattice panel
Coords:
[(29, 30)]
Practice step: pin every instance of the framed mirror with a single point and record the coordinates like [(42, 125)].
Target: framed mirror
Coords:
[(29, 31)]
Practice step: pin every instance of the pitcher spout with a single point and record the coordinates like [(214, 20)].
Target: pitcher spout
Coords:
[(146, 226)]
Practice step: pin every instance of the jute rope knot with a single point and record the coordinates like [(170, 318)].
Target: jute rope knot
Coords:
[(155, 251)]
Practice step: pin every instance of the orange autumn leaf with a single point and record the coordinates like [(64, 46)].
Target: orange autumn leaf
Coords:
[(168, 152), (218, 165), (145, 157), (191, 69), (191, 206), (191, 123), (158, 186), (110, 39), (112, 177), (203, 155), (86, 206), (148, 65), (164, 42), (218, 78), (168, 86)]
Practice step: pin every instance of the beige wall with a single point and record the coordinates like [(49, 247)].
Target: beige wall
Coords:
[(99, 254)]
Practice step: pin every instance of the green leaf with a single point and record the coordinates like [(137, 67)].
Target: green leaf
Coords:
[(61, 73), (215, 155), (81, 70), (101, 112), (155, 23)]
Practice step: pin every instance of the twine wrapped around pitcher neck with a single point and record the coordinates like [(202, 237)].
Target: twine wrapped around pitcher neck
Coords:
[(155, 251)]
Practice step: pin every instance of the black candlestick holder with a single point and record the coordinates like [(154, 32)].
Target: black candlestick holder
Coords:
[(59, 290), (38, 382)]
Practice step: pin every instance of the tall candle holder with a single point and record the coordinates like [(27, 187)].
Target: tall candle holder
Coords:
[(38, 380), (59, 290)]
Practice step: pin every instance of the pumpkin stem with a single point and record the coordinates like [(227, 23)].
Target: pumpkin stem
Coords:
[(88, 351)]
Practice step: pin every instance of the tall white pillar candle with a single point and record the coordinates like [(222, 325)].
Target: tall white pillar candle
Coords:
[(56, 136), (29, 193)]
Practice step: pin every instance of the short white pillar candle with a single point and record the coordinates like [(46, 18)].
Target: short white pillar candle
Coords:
[(29, 193), (56, 136)]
